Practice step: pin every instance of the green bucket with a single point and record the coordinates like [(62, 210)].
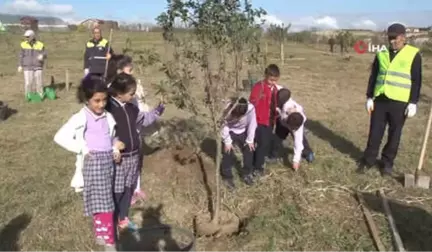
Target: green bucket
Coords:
[(34, 97), (50, 93)]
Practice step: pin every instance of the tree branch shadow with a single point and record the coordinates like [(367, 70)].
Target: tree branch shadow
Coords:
[(413, 223), (340, 143), (155, 235), (10, 234)]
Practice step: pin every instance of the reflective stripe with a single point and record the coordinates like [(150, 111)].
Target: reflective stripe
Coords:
[(36, 46), (393, 83), (101, 43), (402, 75)]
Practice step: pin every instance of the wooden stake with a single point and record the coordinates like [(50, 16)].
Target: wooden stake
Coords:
[(371, 224), (396, 236), (67, 79), (109, 49)]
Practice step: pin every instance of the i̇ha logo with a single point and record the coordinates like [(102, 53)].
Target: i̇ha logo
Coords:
[(361, 47)]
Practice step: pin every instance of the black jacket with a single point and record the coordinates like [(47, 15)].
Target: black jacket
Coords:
[(126, 129), (96, 49)]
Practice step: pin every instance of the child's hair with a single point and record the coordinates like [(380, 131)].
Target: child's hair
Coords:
[(123, 61), (294, 121), (122, 84), (239, 110), (117, 61), (272, 70), (90, 85), (283, 95)]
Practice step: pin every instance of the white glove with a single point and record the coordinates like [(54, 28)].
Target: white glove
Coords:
[(40, 57), (86, 71), (19, 69), (369, 105), (411, 110)]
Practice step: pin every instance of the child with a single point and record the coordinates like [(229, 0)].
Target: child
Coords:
[(263, 97), (129, 119), (239, 129), (291, 121), (123, 64), (90, 132)]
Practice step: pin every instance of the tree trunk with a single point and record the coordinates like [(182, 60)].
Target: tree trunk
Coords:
[(282, 53), (217, 163)]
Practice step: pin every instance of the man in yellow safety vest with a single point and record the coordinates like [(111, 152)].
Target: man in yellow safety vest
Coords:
[(392, 95), (31, 61), (97, 52)]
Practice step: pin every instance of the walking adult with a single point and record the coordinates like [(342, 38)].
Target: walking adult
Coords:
[(96, 54), (31, 61), (392, 96)]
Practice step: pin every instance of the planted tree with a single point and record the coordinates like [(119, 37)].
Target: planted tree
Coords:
[(279, 33), (199, 75)]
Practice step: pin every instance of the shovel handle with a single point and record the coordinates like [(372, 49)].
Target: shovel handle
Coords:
[(425, 140)]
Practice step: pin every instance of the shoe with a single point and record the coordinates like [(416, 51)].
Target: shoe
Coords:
[(110, 247), (127, 224), (362, 168), (310, 157), (229, 184), (79, 189), (272, 160), (100, 241), (137, 196), (387, 172), (258, 173), (248, 180)]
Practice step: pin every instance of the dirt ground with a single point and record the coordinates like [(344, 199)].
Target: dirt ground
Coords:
[(312, 209)]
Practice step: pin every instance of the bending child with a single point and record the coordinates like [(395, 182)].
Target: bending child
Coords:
[(129, 119), (90, 134), (291, 121), (239, 129)]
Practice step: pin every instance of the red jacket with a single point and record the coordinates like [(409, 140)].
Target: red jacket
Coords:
[(260, 97)]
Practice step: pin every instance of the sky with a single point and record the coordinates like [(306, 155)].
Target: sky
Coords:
[(303, 14)]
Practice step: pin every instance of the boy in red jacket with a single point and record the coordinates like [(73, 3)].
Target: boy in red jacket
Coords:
[(264, 97)]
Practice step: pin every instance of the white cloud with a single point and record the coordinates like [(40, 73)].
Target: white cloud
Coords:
[(305, 23), (35, 7), (365, 24), (271, 20)]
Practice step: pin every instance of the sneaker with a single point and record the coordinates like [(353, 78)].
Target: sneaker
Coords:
[(137, 196), (229, 184), (100, 241), (248, 180), (362, 167), (79, 189), (127, 224), (387, 172), (310, 157), (258, 173)]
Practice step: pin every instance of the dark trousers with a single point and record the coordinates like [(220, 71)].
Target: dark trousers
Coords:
[(385, 112), (282, 133), (122, 203), (228, 159), (263, 137)]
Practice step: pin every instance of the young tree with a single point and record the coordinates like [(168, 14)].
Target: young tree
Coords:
[(200, 63), (280, 34)]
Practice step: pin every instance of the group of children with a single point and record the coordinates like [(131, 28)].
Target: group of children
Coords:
[(259, 126), (105, 135)]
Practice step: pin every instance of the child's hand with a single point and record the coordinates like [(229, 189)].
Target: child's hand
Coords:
[(228, 148), (296, 166), (117, 157), (119, 145), (251, 146)]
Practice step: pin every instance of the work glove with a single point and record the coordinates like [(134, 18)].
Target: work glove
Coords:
[(160, 108), (369, 105), (411, 110), (86, 71), (20, 69), (40, 57)]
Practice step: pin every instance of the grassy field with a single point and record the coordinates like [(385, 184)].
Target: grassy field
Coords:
[(313, 209)]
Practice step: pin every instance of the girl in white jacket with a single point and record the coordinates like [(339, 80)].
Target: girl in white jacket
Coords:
[(90, 134)]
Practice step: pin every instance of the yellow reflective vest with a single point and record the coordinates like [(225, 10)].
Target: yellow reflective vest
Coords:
[(394, 78), (94, 56), (28, 59)]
